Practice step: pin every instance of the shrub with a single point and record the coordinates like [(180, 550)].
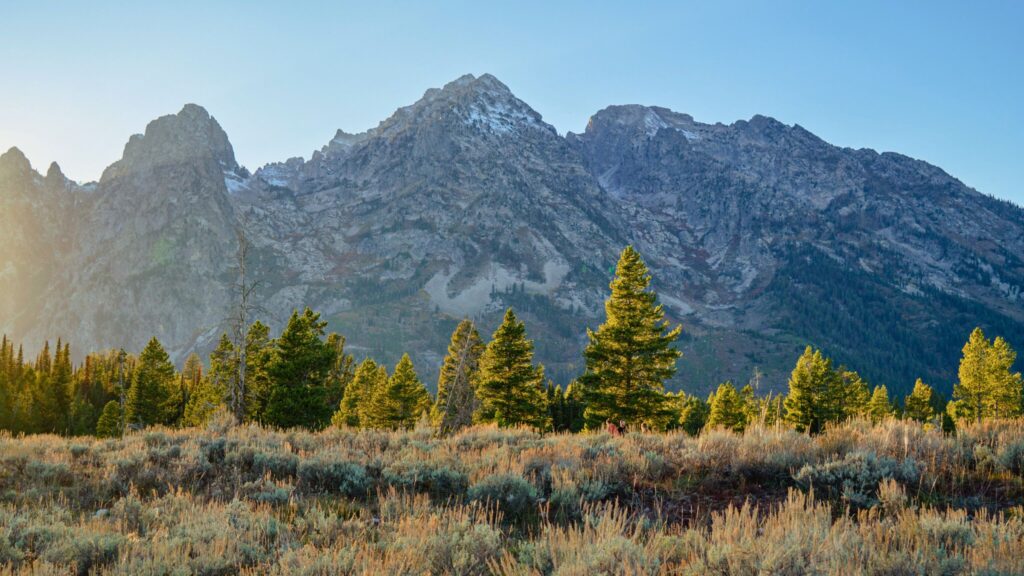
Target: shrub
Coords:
[(442, 483), (512, 494), (856, 477), (320, 476)]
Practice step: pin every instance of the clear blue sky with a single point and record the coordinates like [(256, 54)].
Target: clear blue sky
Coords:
[(941, 81)]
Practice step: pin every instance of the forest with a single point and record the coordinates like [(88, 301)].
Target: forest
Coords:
[(306, 378)]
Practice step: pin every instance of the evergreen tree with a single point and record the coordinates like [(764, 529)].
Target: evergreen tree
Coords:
[(852, 397), (109, 424), (53, 392), (879, 407), (456, 399), (509, 387), (151, 385), (693, 413), (728, 409), (342, 369), (210, 392), (918, 404), (298, 372), (810, 402), (631, 354), (1006, 385), (399, 401), (988, 388), (258, 384), (358, 394)]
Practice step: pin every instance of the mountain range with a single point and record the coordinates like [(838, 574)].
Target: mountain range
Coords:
[(761, 238)]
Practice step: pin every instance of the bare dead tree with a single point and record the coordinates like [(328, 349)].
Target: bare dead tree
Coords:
[(239, 321)]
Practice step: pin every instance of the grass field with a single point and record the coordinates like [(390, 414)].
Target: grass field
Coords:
[(890, 499)]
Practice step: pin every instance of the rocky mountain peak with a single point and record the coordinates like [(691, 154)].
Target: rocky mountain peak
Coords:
[(483, 104), (14, 164), (190, 135), (55, 177)]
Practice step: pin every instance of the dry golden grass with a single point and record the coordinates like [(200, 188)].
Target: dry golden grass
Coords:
[(859, 499)]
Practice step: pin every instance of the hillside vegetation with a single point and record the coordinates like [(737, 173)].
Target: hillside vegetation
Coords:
[(892, 498)]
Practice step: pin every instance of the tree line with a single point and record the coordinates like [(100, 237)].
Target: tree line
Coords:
[(305, 377)]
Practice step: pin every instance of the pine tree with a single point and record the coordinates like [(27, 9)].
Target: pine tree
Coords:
[(631, 355), (988, 388), (728, 409), (109, 424), (399, 402), (53, 392), (918, 404), (150, 389), (298, 371), (210, 392), (358, 394), (810, 402), (693, 413), (852, 397), (1006, 385), (879, 407), (257, 357), (342, 369), (509, 387), (456, 399)]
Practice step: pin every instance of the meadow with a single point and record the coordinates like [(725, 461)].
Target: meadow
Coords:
[(892, 498)]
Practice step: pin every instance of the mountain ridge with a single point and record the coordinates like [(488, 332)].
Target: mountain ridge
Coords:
[(466, 201)]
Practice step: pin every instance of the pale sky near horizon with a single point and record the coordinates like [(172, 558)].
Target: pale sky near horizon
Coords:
[(940, 81)]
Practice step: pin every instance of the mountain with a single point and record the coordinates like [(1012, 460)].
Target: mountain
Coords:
[(761, 238)]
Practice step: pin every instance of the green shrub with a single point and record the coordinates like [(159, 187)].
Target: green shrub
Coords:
[(513, 495), (441, 483), (856, 477), (320, 476)]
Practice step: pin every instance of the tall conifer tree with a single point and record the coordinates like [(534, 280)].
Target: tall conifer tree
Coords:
[(510, 386), (456, 399), (298, 370), (151, 386), (400, 401), (630, 356)]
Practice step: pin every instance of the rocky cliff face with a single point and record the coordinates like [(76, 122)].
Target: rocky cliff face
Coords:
[(761, 237)]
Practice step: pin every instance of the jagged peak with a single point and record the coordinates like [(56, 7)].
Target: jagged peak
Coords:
[(55, 176), (189, 135), (482, 102), (647, 120), (15, 159)]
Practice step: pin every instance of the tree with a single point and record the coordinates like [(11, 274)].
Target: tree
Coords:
[(399, 401), (728, 409), (509, 386), (988, 388), (918, 404), (693, 413), (852, 395), (1006, 385), (879, 407), (631, 354), (209, 393), (298, 373), (259, 352), (109, 424), (239, 392), (53, 391), (151, 384), (342, 369), (809, 404), (358, 394), (456, 399)]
